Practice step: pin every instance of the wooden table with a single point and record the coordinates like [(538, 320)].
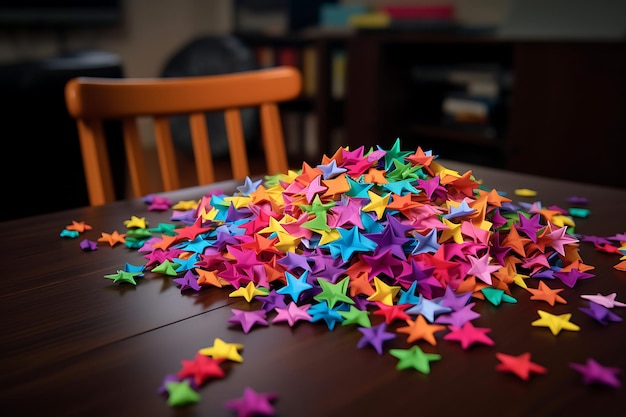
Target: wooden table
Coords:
[(75, 344)]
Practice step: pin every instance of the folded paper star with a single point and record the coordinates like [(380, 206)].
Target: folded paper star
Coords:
[(223, 350), (292, 314), (414, 358), (248, 319), (595, 373), (253, 403), (544, 293), (468, 335), (181, 393), (600, 313), (555, 323), (375, 336), (519, 365), (607, 301)]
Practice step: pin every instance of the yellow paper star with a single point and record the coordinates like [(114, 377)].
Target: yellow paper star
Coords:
[(384, 293), (223, 350), (136, 223), (286, 242), (453, 231), (377, 204), (186, 205), (328, 236), (274, 226), (248, 292), (555, 323), (239, 201)]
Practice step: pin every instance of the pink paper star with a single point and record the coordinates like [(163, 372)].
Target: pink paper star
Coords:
[(481, 268), (468, 335), (292, 314)]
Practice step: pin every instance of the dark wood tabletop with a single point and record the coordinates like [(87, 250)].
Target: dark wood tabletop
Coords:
[(74, 343)]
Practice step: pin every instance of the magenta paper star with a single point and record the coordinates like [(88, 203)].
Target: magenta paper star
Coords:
[(292, 314), (559, 238), (469, 335), (248, 319), (571, 277), (252, 404), (594, 373), (375, 336)]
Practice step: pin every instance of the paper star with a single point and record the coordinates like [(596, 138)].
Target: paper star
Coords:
[(555, 323), (123, 276), (459, 317), (334, 293), (181, 393), (481, 268), (375, 336), (519, 365), (545, 293), (80, 227), (201, 368), (594, 373), (321, 311), (429, 309), (469, 335), (414, 358), (570, 278), (292, 314), (252, 404), (249, 186), (248, 319), (189, 281), (88, 245), (356, 316), (248, 292), (112, 238), (607, 301), (295, 286), (600, 313), (420, 329), (384, 293), (223, 350)]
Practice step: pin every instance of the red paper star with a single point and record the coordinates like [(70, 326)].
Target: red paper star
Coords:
[(201, 369), (519, 365), (467, 335)]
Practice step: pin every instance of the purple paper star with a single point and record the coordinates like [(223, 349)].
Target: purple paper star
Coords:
[(593, 372), (248, 319), (600, 313), (189, 281), (459, 317), (88, 245), (252, 404), (375, 336), (571, 278), (607, 301)]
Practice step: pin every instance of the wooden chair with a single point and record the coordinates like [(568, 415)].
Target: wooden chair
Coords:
[(92, 100)]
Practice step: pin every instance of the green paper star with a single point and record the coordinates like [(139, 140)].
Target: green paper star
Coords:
[(496, 296), (317, 206), (403, 171), (395, 153), (356, 316), (319, 222), (123, 276), (167, 268), (414, 358), (181, 393), (164, 228), (334, 293)]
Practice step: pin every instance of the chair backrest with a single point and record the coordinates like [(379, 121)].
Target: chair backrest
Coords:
[(92, 100)]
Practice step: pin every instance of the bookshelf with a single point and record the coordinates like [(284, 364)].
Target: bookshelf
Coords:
[(314, 123), (558, 109)]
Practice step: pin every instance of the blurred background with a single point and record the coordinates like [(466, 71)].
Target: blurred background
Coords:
[(534, 86)]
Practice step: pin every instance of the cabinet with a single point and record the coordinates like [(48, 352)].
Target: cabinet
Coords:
[(562, 113)]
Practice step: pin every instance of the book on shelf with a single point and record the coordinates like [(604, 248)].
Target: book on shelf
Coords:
[(309, 71), (338, 74), (466, 108)]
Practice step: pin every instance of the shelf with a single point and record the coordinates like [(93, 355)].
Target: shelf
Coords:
[(452, 134)]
